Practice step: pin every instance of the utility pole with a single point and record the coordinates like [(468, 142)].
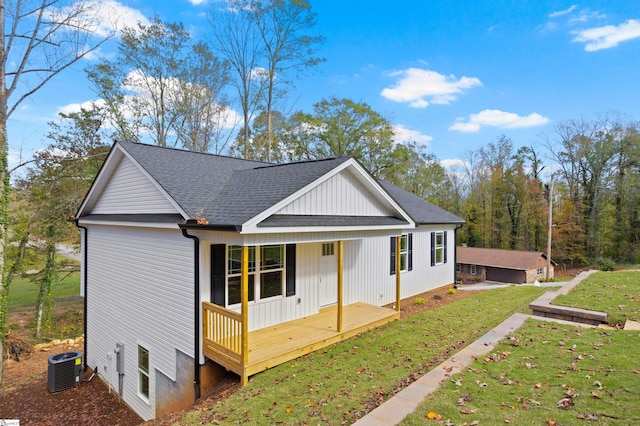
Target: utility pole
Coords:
[(550, 226)]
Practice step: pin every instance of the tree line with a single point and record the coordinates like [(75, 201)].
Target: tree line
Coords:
[(165, 87)]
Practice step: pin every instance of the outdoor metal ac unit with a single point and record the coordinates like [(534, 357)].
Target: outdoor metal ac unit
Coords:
[(64, 371)]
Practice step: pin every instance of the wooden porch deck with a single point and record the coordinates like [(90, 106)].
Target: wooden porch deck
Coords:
[(270, 346)]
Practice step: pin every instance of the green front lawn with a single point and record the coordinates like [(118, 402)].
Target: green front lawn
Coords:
[(617, 293), (343, 382), (544, 374), (551, 374)]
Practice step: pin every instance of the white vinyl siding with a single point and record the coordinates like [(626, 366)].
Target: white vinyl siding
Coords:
[(276, 310), (140, 287), (366, 274), (130, 192), (342, 194)]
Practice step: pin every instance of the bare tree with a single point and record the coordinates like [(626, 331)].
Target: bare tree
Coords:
[(163, 85), (237, 39), (41, 38), (283, 27)]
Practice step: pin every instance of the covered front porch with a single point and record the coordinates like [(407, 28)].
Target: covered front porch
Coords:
[(270, 346), (228, 342)]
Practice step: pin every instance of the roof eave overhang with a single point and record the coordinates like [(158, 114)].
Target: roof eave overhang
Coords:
[(150, 224), (194, 224), (293, 229)]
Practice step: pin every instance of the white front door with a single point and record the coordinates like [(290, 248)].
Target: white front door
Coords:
[(328, 276)]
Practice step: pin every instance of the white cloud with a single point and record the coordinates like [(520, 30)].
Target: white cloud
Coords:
[(197, 2), (563, 12), (497, 118), (419, 87), (401, 135), (453, 163), (586, 15), (75, 107), (101, 17), (607, 36)]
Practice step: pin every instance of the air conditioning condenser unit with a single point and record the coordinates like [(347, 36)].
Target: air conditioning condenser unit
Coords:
[(64, 371)]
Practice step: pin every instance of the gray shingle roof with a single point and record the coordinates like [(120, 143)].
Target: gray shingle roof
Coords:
[(192, 179), (420, 210), (229, 191), (225, 191)]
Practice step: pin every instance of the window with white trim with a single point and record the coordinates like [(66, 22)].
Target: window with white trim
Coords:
[(234, 273), (439, 248), (472, 269), (406, 253), (266, 272), (272, 271), (540, 271), (458, 268), (143, 372)]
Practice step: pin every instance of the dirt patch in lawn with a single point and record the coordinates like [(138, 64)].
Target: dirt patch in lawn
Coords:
[(431, 300), (25, 394)]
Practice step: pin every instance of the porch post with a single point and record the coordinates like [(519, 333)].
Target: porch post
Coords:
[(340, 278), (244, 310), (398, 272)]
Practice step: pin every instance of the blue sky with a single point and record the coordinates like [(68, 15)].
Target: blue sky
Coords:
[(453, 75)]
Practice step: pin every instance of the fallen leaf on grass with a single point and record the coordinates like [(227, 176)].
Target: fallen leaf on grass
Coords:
[(565, 403), (434, 416), (289, 409), (595, 395), (551, 422)]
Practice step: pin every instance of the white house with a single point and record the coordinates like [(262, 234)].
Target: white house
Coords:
[(190, 256)]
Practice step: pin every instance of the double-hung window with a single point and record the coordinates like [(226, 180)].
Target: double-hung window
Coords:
[(266, 276), (143, 372), (406, 253), (438, 248), (234, 273), (271, 271)]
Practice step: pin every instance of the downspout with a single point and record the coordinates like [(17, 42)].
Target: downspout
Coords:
[(455, 253), (85, 276), (196, 313)]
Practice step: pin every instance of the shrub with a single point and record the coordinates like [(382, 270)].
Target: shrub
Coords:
[(420, 301), (604, 264)]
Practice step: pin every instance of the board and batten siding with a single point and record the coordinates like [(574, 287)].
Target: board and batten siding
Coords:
[(342, 194), (276, 310), (366, 269), (367, 275), (140, 292), (130, 191)]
